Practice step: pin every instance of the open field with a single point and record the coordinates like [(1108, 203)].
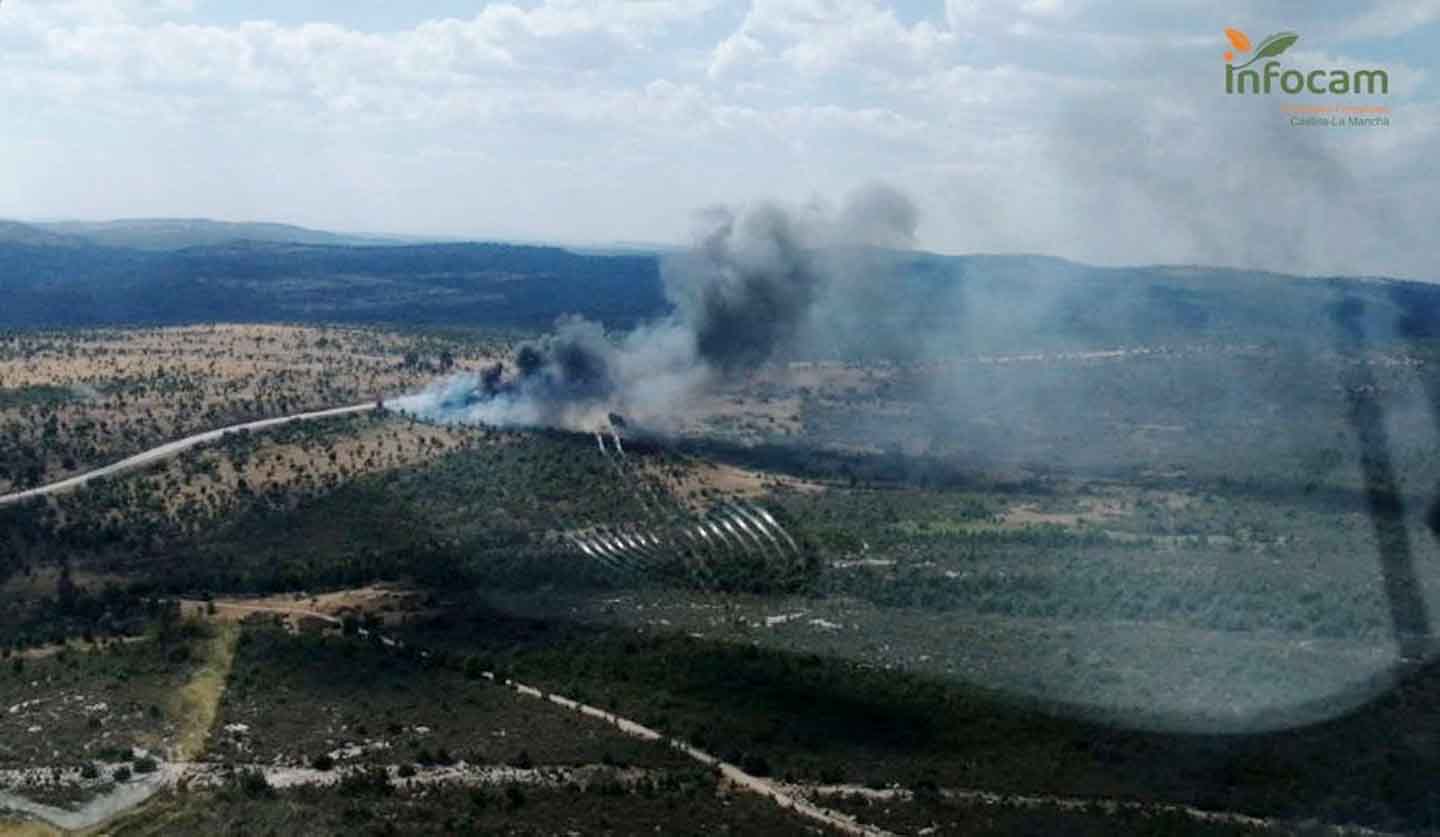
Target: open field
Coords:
[(328, 784), (1183, 603), (80, 723), (348, 773), (293, 700), (71, 401), (813, 718)]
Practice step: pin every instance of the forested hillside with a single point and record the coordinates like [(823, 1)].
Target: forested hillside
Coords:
[(878, 303)]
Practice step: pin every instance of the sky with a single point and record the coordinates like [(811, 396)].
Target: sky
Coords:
[(1093, 131)]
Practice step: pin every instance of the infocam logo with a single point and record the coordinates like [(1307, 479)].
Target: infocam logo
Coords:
[(1272, 77)]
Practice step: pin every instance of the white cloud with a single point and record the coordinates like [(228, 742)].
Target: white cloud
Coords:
[(736, 51), (1390, 18), (1076, 128), (819, 36)]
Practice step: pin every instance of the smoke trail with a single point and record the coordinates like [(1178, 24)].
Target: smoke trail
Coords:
[(745, 292)]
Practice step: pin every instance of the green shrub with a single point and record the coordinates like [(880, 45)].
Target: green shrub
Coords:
[(367, 782), (253, 784)]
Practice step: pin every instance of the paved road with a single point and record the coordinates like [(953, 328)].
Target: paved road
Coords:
[(170, 449)]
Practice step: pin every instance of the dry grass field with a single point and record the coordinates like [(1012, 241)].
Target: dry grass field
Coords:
[(697, 483), (71, 401), (204, 484)]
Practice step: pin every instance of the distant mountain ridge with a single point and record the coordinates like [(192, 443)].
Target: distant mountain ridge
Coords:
[(53, 276), (44, 284), (180, 233), (14, 232)]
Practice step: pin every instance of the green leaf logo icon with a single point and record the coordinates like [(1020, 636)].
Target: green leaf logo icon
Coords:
[(1272, 46)]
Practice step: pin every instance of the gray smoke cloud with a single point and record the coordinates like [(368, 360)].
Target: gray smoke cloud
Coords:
[(755, 278)]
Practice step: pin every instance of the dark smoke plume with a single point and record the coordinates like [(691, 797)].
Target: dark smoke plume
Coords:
[(748, 287)]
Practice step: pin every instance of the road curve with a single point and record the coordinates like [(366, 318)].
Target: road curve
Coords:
[(169, 449), (772, 790)]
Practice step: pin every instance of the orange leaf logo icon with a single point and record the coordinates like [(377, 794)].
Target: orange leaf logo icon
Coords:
[(1239, 39)]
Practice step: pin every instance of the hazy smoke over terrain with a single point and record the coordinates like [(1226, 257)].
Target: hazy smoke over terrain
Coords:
[(745, 291)]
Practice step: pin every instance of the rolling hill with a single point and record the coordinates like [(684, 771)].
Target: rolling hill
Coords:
[(179, 233), (993, 302)]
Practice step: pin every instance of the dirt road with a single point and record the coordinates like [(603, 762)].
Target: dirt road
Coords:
[(169, 449), (803, 799)]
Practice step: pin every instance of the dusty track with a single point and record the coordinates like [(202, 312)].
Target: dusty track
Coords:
[(772, 790), (169, 449), (804, 799), (793, 797)]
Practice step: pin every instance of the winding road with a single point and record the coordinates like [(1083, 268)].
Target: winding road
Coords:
[(169, 449)]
